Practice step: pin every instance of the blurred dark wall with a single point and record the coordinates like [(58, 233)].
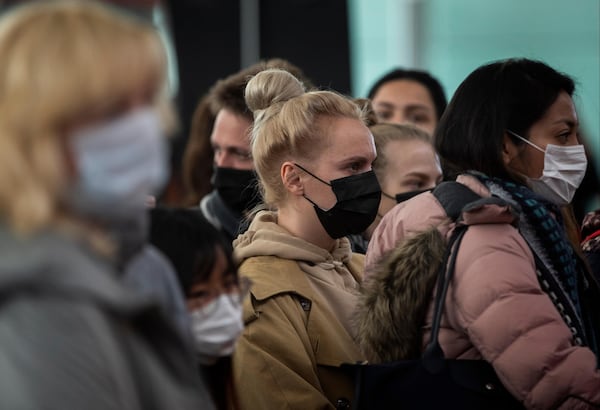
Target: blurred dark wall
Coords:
[(312, 34)]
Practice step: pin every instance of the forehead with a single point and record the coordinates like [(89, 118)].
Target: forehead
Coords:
[(404, 89), (408, 154), (561, 112), (231, 130), (410, 158), (345, 138)]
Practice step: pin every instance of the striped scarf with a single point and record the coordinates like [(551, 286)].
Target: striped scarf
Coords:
[(542, 227)]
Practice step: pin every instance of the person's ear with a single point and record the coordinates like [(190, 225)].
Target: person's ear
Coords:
[(291, 179), (509, 149)]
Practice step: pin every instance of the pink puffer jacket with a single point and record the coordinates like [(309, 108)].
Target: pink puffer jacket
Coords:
[(496, 309)]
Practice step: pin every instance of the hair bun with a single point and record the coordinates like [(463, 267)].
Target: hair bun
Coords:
[(270, 87)]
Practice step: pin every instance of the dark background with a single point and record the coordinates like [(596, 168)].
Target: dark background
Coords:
[(312, 34)]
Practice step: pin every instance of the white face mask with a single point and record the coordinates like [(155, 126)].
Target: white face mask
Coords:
[(216, 328), (119, 163), (564, 169)]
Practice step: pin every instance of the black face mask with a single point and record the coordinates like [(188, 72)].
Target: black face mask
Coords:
[(404, 196), (237, 187), (357, 203)]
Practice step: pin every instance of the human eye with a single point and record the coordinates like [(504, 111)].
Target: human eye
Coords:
[(199, 297), (241, 154), (419, 117), (356, 167), (567, 137), (384, 115), (414, 184)]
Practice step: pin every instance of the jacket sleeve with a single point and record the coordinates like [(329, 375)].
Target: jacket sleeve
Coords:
[(274, 364), (499, 303)]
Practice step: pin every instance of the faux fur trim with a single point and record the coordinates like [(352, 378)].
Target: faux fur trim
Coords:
[(400, 288)]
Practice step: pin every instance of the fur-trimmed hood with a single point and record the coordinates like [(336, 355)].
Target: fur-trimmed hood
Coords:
[(394, 300), (390, 319)]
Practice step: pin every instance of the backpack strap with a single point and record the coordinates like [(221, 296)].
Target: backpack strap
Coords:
[(454, 196)]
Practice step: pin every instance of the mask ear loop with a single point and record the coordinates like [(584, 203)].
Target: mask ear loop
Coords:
[(316, 177), (311, 174), (393, 198), (514, 134)]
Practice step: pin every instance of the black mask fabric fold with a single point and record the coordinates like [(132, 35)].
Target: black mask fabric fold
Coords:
[(358, 198), (405, 196), (237, 187)]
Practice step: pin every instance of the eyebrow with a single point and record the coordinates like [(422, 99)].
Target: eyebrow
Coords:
[(567, 121), (410, 107), (413, 107), (418, 174), (356, 158), (384, 104)]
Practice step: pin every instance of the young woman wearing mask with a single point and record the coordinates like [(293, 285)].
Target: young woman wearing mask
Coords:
[(313, 154), (81, 147), (406, 96), (520, 297), (207, 273), (406, 165)]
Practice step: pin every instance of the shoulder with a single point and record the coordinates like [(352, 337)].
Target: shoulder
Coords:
[(405, 219), (152, 273), (272, 276)]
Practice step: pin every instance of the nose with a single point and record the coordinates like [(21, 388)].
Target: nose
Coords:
[(398, 117)]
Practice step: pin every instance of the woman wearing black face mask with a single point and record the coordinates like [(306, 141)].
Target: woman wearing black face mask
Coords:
[(313, 154), (406, 166)]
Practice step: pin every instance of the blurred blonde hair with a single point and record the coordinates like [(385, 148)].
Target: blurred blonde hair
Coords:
[(289, 124), (384, 133), (64, 63)]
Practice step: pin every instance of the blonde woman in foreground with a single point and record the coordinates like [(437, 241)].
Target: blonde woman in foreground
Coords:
[(80, 150), (313, 154)]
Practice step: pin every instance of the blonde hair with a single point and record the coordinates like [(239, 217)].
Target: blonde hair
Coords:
[(289, 123), (383, 133), (63, 63)]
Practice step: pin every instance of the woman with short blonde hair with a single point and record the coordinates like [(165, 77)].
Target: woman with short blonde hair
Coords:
[(63, 66), (81, 148)]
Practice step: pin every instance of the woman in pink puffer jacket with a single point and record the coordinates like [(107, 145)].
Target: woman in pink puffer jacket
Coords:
[(520, 298)]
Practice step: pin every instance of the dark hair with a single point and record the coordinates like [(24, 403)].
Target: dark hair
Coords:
[(503, 95), (422, 77), (190, 242)]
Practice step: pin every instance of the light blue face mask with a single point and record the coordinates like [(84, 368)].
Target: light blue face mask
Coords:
[(119, 163)]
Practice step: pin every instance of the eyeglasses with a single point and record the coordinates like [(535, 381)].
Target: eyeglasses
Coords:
[(234, 290)]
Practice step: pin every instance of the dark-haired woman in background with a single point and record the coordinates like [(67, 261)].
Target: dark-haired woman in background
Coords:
[(208, 276), (408, 96)]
